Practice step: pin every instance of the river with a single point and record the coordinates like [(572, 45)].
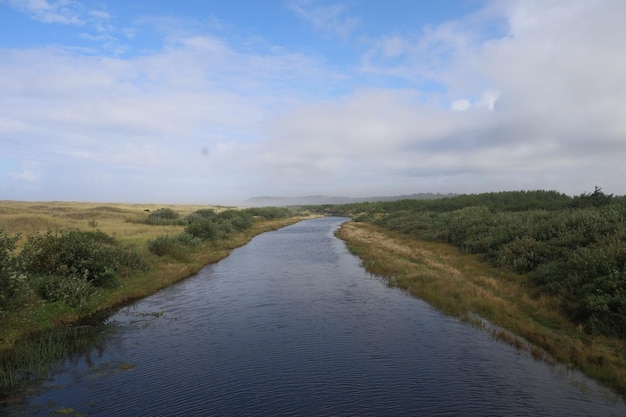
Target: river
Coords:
[(292, 325)]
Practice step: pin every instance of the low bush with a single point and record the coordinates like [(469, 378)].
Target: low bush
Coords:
[(177, 246), (13, 285), (207, 230), (74, 291), (270, 213), (93, 256), (210, 226), (163, 216), (238, 219)]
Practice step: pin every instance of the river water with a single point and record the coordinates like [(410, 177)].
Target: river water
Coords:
[(291, 325)]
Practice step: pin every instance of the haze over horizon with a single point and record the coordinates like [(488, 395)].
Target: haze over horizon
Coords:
[(217, 102)]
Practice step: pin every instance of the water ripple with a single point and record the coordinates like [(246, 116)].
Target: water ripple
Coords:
[(291, 325)]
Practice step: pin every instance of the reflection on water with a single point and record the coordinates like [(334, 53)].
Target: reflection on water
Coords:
[(290, 324), (38, 357)]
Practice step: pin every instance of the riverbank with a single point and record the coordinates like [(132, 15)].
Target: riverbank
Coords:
[(119, 221), (459, 285)]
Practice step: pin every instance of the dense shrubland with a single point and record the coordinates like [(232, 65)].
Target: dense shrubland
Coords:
[(574, 248), (208, 225), (65, 267)]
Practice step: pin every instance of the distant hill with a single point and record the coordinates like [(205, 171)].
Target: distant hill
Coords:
[(322, 199)]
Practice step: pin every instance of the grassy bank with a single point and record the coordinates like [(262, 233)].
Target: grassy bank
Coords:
[(460, 285), (127, 224)]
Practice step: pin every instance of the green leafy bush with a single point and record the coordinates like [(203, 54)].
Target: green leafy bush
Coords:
[(164, 216), (238, 219), (206, 230), (92, 256), (74, 291), (13, 285), (270, 213), (177, 246), (208, 225), (206, 214)]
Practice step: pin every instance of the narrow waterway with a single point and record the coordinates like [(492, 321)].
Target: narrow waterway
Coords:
[(291, 324)]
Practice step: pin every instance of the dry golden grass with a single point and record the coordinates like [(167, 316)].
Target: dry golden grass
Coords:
[(458, 284), (28, 218)]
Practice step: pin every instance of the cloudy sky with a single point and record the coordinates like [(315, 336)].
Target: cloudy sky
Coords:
[(214, 102)]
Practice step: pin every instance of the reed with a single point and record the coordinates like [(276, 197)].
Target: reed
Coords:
[(35, 357), (459, 284)]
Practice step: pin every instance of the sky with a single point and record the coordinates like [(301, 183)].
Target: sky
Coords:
[(215, 102)]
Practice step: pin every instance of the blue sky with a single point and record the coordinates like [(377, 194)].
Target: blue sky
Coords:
[(214, 102)]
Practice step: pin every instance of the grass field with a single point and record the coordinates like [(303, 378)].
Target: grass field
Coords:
[(27, 218)]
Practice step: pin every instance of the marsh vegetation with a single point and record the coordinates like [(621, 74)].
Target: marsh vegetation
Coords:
[(548, 267)]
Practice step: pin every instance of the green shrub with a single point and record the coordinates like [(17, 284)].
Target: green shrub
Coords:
[(92, 256), (132, 261), (205, 214), (208, 225), (269, 213), (238, 219), (73, 291), (205, 230), (164, 216), (13, 284), (175, 246)]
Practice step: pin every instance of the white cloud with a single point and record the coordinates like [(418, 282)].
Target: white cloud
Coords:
[(553, 87), (96, 23), (66, 12), (147, 119), (488, 99), (461, 104), (331, 19), (24, 175), (539, 105)]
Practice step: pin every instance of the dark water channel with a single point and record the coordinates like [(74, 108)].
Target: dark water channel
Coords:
[(290, 324)]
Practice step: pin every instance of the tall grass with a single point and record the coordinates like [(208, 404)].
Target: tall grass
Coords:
[(36, 356)]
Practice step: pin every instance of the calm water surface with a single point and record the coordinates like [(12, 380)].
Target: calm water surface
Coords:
[(290, 324)]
